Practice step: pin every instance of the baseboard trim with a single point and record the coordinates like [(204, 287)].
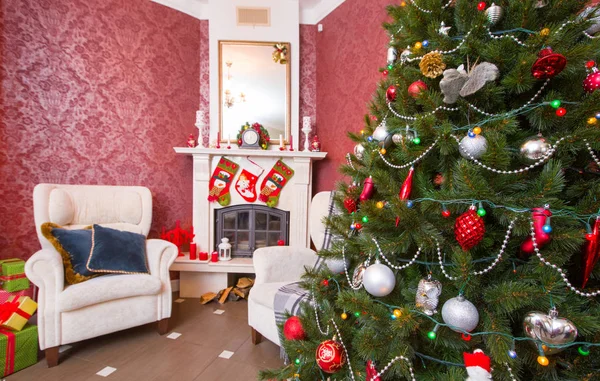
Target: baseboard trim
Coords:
[(174, 285)]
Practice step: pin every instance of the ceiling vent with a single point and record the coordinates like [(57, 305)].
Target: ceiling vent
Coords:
[(251, 16)]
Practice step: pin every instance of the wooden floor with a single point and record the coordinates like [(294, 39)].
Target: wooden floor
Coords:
[(141, 354)]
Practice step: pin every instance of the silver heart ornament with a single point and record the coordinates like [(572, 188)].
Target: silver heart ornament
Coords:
[(550, 329)]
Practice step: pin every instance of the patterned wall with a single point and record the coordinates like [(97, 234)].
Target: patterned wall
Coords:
[(308, 75), (350, 51), (94, 92)]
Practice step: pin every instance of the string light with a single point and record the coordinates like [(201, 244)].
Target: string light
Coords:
[(561, 111)]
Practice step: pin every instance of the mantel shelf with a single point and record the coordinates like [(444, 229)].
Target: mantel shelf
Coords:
[(249, 152)]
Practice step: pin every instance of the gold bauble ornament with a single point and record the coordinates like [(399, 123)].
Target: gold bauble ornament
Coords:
[(592, 120), (432, 65), (544, 32), (418, 45)]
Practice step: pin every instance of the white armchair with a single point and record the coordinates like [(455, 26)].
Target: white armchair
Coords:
[(106, 304), (277, 266)]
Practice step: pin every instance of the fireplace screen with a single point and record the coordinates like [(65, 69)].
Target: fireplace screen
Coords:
[(250, 227)]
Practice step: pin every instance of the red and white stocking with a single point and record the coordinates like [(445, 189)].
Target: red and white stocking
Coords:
[(246, 182)]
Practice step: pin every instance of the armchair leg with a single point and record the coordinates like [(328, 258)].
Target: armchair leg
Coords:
[(256, 336), (51, 356), (163, 326)]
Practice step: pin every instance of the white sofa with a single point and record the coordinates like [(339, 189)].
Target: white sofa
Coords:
[(277, 266), (106, 304)]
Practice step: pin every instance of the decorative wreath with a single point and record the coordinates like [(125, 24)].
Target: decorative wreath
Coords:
[(280, 55), (263, 134)]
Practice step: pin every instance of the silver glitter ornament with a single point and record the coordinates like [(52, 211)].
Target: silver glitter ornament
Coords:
[(475, 146), (359, 151), (534, 148), (459, 313), (550, 329), (379, 280), (428, 293), (494, 13), (443, 30), (336, 265), (392, 55), (357, 275)]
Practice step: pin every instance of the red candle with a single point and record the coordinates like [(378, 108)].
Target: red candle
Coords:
[(214, 257), (203, 256), (193, 251), (291, 143), (218, 140)]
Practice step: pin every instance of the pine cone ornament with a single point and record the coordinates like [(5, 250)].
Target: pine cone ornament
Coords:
[(469, 229), (432, 65)]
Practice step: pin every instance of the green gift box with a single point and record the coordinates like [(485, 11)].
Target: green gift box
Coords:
[(18, 350), (12, 275)]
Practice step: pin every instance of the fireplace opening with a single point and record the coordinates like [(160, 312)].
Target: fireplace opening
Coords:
[(249, 227)]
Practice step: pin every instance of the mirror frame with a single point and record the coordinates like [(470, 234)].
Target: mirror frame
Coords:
[(288, 88)]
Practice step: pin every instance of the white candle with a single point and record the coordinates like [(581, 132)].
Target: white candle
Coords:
[(280, 141), (228, 139)]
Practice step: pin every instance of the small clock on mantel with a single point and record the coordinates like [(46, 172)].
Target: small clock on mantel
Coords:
[(250, 139)]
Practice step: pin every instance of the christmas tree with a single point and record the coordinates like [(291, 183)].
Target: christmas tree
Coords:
[(466, 239)]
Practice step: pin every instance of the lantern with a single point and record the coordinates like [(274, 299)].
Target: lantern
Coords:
[(224, 250)]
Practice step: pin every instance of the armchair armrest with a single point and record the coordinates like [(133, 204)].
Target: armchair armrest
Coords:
[(161, 255), (282, 263)]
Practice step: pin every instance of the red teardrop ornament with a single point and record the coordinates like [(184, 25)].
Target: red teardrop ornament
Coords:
[(591, 253), (404, 193)]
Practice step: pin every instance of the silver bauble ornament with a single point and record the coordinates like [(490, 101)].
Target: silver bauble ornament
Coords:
[(336, 265), (428, 293), (461, 314), (392, 55), (382, 136), (359, 151), (357, 275), (379, 280), (474, 146), (595, 28), (549, 329), (494, 13), (534, 148)]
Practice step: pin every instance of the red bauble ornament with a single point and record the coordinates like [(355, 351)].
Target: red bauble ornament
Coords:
[(539, 216), (280, 242), (407, 185), (391, 93), (358, 226), (350, 204), (481, 6), (591, 253), (372, 372), (548, 65), (368, 189), (592, 82), (293, 330), (416, 88), (469, 229), (330, 356)]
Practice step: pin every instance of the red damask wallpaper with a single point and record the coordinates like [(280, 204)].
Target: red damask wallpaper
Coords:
[(95, 92), (350, 51), (308, 74)]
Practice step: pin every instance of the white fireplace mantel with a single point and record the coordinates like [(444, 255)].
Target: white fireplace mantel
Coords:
[(295, 198)]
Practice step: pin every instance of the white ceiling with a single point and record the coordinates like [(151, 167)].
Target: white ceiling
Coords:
[(311, 11)]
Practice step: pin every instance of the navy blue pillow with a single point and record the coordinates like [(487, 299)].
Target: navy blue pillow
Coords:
[(118, 252), (74, 246)]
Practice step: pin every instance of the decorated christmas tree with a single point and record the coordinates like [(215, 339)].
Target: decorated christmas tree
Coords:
[(466, 238)]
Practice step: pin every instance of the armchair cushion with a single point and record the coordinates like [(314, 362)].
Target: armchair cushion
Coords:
[(117, 251), (107, 288), (74, 247), (264, 293)]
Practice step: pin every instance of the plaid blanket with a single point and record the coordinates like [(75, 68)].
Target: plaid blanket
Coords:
[(289, 297)]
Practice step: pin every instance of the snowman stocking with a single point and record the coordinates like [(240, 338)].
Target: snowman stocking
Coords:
[(221, 180), (246, 182), (271, 186)]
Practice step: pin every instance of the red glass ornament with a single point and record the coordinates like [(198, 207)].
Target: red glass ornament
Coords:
[(592, 82), (548, 64), (350, 204), (280, 242), (469, 229), (391, 93), (446, 213), (407, 185), (539, 216), (481, 6), (561, 111), (293, 330), (368, 189), (372, 372), (416, 88), (330, 356), (590, 64), (591, 253), (385, 73)]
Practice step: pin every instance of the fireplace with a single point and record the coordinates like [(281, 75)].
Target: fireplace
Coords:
[(249, 227)]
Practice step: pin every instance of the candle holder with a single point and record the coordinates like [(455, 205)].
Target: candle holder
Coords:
[(200, 126), (306, 128)]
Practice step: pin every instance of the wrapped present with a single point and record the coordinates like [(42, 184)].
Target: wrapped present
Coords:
[(5, 295), (12, 274), (18, 350), (15, 313)]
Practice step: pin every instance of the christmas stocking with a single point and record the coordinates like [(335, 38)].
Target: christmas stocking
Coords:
[(221, 180), (271, 186), (246, 183)]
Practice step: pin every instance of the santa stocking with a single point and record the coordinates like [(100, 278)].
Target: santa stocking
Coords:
[(221, 180), (271, 186), (246, 182)]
